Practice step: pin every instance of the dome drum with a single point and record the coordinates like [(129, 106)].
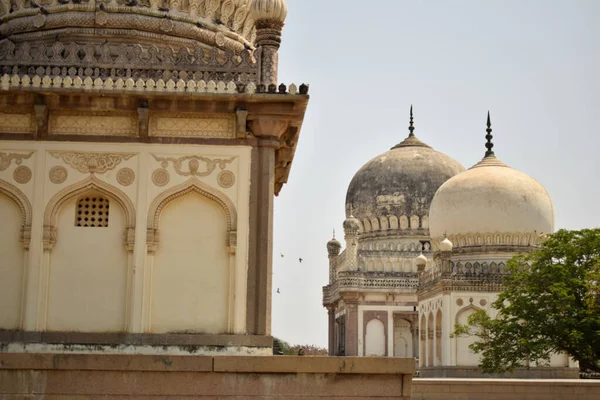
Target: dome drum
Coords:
[(209, 40)]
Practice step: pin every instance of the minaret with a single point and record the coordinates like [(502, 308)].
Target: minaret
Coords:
[(333, 249), (269, 17)]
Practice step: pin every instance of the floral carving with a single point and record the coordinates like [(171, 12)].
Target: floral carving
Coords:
[(22, 174), (125, 176), (58, 175), (226, 179), (160, 177), (193, 164), (92, 162), (7, 158)]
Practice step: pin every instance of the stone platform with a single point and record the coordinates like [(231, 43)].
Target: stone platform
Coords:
[(95, 376)]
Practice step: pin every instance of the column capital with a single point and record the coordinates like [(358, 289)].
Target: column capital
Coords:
[(269, 127)]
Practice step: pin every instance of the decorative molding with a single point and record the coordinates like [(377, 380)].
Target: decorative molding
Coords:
[(226, 179), (492, 239), (17, 122), (125, 176), (96, 123), (161, 177), (190, 125), (22, 174), (58, 174), (193, 164), (192, 185), (6, 159), (87, 162), (13, 193), (134, 84), (92, 183)]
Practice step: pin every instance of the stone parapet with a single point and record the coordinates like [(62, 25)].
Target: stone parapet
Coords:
[(505, 389), (87, 376)]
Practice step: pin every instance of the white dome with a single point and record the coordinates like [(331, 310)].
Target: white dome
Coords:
[(491, 198), (446, 245)]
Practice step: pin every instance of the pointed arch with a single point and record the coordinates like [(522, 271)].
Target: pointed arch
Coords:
[(91, 183), (16, 195), (192, 185), (464, 310)]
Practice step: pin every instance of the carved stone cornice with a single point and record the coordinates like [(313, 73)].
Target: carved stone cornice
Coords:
[(88, 162)]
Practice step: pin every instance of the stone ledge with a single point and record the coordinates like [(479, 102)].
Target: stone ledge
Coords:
[(134, 339), (315, 365)]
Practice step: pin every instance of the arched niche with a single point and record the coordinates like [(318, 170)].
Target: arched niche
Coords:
[(86, 283), (15, 217), (375, 338), (464, 355), (193, 264)]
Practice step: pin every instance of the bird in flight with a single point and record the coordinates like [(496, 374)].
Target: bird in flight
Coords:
[(282, 255), (278, 291), (300, 259)]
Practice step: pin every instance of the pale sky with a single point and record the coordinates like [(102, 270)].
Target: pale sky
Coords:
[(535, 64)]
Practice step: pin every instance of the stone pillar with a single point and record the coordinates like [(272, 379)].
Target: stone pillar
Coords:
[(260, 254), (416, 338), (331, 330), (351, 304)]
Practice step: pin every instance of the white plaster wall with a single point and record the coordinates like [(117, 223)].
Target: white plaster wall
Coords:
[(88, 274), (465, 357), (39, 265), (191, 268), (11, 264), (375, 338)]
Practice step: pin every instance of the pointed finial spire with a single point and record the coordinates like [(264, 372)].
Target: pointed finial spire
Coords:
[(489, 145), (411, 127), (334, 233)]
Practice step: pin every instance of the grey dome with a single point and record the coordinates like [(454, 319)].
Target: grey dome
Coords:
[(400, 184)]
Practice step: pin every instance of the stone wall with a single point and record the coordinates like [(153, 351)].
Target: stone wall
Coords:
[(223, 377), (505, 389)]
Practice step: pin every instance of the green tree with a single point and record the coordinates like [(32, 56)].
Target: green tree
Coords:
[(550, 304)]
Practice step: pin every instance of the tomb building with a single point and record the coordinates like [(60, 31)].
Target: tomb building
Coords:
[(372, 293), (141, 146)]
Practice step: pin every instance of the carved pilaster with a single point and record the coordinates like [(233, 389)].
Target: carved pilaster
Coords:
[(130, 239), (232, 241), (152, 240), (49, 238), (26, 236)]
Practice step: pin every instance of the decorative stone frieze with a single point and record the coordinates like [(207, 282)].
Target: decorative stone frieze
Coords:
[(17, 122), (105, 123), (193, 164), (6, 159), (88, 162), (190, 125)]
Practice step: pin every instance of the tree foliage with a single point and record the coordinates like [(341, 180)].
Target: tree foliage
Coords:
[(550, 304), (309, 350)]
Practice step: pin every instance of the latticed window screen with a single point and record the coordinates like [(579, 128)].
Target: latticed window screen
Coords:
[(92, 211)]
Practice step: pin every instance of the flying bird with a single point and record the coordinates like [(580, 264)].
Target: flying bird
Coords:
[(278, 291), (300, 259), (282, 255)]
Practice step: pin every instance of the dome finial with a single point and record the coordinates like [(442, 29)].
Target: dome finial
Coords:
[(411, 127), (489, 145), (334, 233)]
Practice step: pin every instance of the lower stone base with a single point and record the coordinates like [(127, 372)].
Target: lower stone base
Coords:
[(66, 376), (134, 343), (474, 372)]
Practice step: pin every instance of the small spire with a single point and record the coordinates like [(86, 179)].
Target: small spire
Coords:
[(489, 145), (411, 127), (334, 233)]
